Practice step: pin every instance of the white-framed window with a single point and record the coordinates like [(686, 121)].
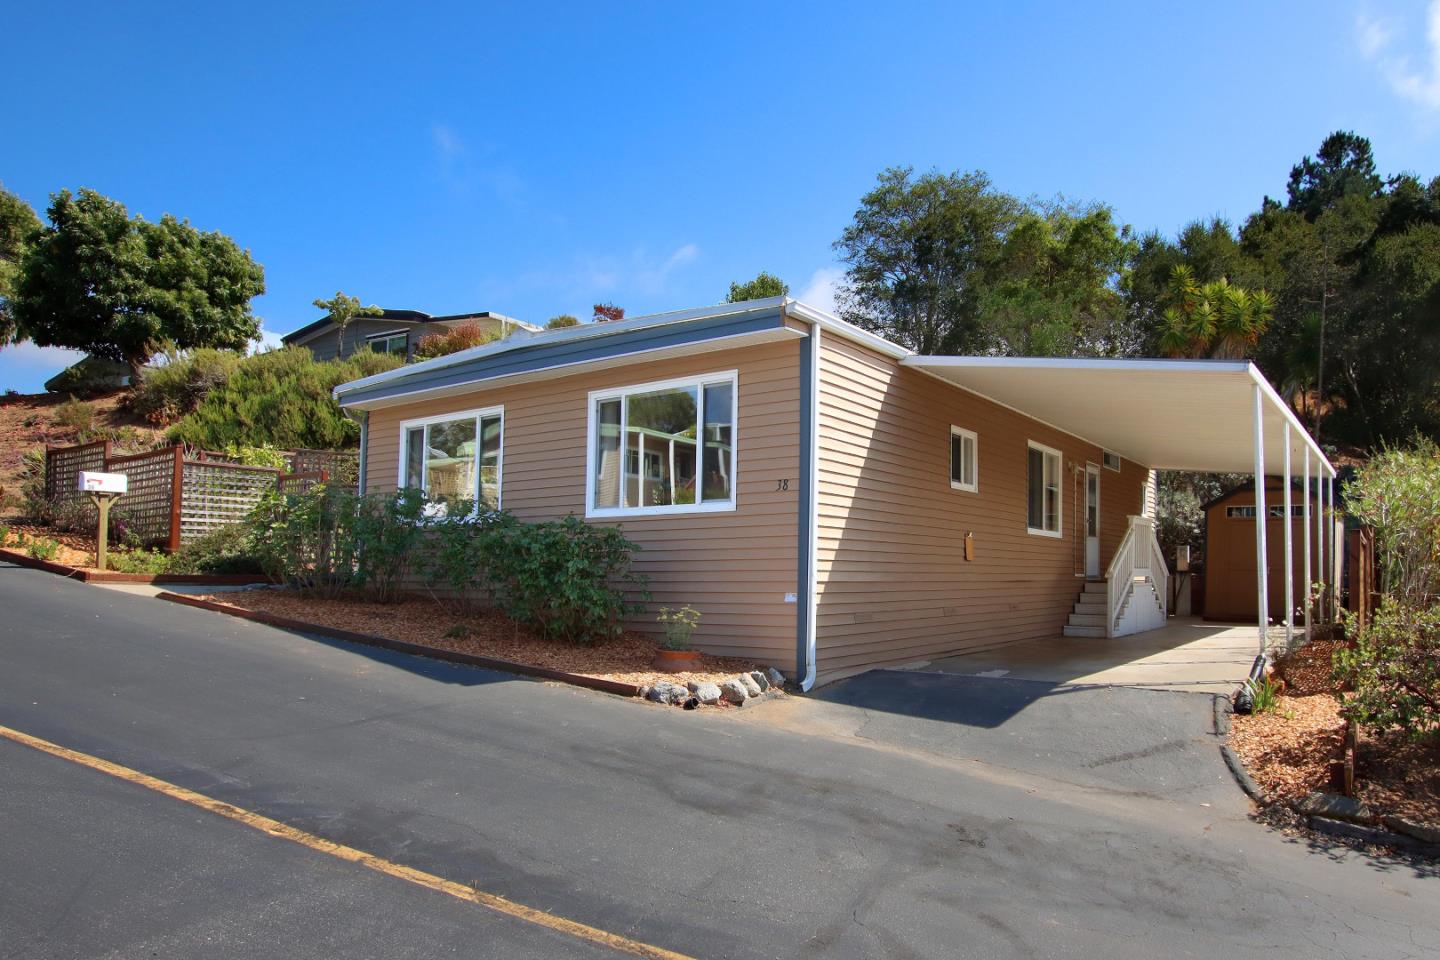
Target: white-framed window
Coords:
[(662, 448), (455, 457), (1112, 460), (397, 342), (1274, 511), (1042, 485), (964, 459)]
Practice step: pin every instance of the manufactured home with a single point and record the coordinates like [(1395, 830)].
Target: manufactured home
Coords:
[(829, 500)]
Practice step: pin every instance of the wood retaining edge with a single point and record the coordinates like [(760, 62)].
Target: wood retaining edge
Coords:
[(87, 575), (401, 646)]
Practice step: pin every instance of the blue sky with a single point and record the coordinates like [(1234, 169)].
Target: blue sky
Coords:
[(534, 158)]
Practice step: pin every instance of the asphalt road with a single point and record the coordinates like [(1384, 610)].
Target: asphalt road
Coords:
[(896, 818)]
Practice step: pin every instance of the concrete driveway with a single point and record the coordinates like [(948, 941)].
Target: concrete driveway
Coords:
[(1187, 654)]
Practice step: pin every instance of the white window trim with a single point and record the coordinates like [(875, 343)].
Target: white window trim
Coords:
[(974, 468), (622, 393), (476, 415), (1058, 532), (371, 338)]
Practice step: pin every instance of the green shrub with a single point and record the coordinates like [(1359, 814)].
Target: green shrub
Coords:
[(225, 550), (281, 399), (4, 534), (1398, 494), (457, 556), (168, 392), (679, 626), (564, 579), (388, 536), (74, 514), (261, 456), (462, 337), (139, 561), (77, 415), (1393, 669), (42, 548), (562, 320)]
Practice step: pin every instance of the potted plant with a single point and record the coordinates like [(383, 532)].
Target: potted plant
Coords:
[(675, 654)]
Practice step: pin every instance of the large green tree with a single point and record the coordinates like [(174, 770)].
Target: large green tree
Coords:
[(764, 285), (120, 287), (918, 251), (18, 225)]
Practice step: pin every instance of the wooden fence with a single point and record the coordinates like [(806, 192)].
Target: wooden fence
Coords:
[(174, 497)]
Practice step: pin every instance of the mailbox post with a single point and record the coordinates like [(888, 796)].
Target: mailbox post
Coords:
[(104, 489)]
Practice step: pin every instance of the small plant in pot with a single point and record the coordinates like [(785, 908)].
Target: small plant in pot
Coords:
[(676, 654)]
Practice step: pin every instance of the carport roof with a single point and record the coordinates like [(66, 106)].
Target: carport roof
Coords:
[(1166, 414)]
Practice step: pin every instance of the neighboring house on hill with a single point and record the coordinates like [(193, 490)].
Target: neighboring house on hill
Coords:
[(829, 500), (394, 331)]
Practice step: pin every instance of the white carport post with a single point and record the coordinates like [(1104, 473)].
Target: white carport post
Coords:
[(1305, 585), (1332, 562), (1289, 553), (1262, 571)]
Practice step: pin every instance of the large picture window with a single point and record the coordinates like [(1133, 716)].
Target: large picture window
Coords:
[(454, 458), (1043, 489), (663, 447)]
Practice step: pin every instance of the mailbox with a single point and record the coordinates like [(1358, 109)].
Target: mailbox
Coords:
[(92, 481)]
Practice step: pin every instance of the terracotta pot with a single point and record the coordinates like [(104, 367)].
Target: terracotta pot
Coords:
[(675, 661)]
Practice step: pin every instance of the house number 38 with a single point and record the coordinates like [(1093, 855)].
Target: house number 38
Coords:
[(782, 484)]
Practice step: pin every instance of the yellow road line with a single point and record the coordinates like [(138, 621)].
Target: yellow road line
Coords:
[(379, 864)]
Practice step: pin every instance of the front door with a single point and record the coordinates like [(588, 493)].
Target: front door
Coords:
[(1092, 520)]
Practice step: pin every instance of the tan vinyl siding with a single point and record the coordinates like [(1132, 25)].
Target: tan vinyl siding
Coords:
[(893, 584), (735, 567)]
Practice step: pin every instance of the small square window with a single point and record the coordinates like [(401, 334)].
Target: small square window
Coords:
[(964, 460), (1112, 461)]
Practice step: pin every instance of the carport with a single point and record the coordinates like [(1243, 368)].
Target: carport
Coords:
[(1209, 416)]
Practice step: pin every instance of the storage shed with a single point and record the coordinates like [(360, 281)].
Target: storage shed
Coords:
[(1230, 581)]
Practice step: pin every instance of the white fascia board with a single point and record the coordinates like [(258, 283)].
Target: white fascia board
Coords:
[(832, 323), (1083, 363), (563, 335)]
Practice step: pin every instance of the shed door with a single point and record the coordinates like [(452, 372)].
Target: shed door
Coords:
[(1092, 520)]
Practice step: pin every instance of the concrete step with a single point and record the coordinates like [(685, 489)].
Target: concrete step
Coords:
[(1090, 604), (1087, 620), (1070, 631), (1093, 587)]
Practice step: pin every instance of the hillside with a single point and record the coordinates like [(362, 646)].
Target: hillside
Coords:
[(29, 421)]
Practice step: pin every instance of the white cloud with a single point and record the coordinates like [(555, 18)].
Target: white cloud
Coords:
[(819, 291), (461, 172), (1420, 83)]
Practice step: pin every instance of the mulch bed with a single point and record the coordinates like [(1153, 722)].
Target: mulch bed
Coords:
[(76, 550), (422, 621), (1289, 750)]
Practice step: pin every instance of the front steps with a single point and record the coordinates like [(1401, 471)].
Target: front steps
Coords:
[(1087, 619)]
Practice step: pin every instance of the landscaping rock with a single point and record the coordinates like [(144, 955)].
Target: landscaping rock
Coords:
[(734, 691), (1335, 807), (776, 678), (692, 685), (1420, 831), (666, 692), (760, 680), (706, 692), (751, 687)]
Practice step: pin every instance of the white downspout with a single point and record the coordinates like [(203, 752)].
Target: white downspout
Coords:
[(812, 506), (1262, 572)]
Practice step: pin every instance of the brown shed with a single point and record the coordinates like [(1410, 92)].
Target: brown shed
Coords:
[(1230, 581)]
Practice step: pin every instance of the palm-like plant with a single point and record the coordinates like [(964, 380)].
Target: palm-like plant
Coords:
[(1213, 319)]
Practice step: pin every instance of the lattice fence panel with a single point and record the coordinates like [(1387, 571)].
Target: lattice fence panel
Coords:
[(145, 510), (301, 482), (63, 466), (215, 494), (342, 466)]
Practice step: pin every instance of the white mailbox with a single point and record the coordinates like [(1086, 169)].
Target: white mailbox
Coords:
[(93, 481)]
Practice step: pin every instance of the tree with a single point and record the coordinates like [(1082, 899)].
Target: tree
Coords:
[(342, 310), (1212, 319), (608, 313), (562, 320), (918, 250), (1343, 166), (121, 288), (764, 285), (18, 224)]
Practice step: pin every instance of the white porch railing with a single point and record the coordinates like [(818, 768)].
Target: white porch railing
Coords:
[(1137, 582)]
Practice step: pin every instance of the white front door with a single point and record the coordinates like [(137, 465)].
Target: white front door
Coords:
[(1092, 520)]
